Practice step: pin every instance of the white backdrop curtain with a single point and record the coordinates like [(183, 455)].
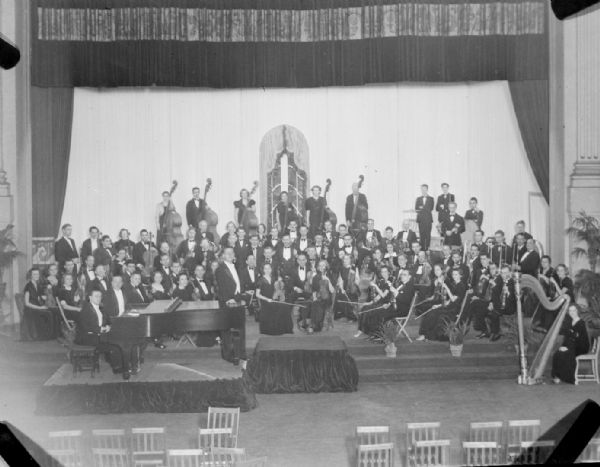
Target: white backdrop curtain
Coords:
[(128, 144)]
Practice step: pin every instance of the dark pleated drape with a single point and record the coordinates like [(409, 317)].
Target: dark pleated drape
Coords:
[(51, 123), (530, 100)]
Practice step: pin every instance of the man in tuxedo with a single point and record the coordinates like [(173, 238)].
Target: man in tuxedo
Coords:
[(519, 249), (103, 254), (286, 256), (530, 261), (65, 248), (319, 246), (302, 242), (207, 256), (255, 250), (249, 276), (127, 274), (452, 226), (338, 241), (195, 208), (100, 281), (296, 289), (478, 240), (404, 293), (349, 248), (270, 258), (504, 301), (114, 300), (412, 256), (406, 237), (424, 207), (447, 258), (315, 210), (201, 286), (230, 289), (292, 230), (240, 248), (328, 234), (135, 293), (166, 270), (443, 202), (457, 263), (520, 229), (370, 238), (357, 210), (501, 252), (203, 232), (142, 247), (188, 251), (90, 244)]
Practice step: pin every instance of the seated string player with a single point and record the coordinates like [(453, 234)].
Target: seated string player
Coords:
[(447, 258), (414, 254), (184, 290), (322, 298), (428, 297), (504, 301), (347, 288), (292, 230), (457, 263), (405, 238), (249, 276), (339, 242), (321, 250), (103, 254), (286, 256), (421, 272), (203, 233), (434, 319), (403, 293), (478, 241), (477, 307), (230, 229), (329, 235), (273, 239), (255, 250), (369, 238), (299, 290), (188, 251), (390, 258), (382, 308), (389, 239), (202, 288)]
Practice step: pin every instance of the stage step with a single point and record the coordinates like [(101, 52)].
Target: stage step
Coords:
[(438, 374)]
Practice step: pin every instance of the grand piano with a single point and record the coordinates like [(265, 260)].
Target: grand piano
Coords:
[(130, 331)]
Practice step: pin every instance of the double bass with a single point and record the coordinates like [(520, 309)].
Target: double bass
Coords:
[(328, 214), (362, 215), (149, 256), (210, 216), (172, 222), (249, 219)]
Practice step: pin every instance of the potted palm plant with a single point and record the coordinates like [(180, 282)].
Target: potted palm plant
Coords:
[(586, 229), (455, 332), (389, 333), (8, 253)]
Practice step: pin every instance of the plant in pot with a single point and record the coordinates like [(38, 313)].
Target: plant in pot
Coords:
[(8, 253), (389, 333), (585, 229), (455, 332)]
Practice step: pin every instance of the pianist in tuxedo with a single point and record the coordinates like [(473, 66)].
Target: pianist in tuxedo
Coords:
[(91, 323), (195, 208), (452, 226), (202, 289), (371, 237), (188, 251), (405, 238), (302, 242), (65, 247), (357, 209), (424, 207), (203, 233), (530, 260), (230, 289), (442, 205), (114, 300), (501, 252), (90, 244), (184, 290), (103, 254)]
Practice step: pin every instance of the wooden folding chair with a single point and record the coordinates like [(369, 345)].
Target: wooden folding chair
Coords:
[(519, 431), (403, 320), (148, 447), (226, 457), (434, 452), (66, 447), (372, 434), (481, 453), (592, 358), (376, 455), (187, 458), (425, 431), (64, 458), (107, 457), (209, 438), (254, 462), (486, 431), (109, 439), (535, 452), (224, 417)]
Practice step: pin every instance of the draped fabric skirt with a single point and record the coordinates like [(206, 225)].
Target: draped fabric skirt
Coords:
[(563, 366), (275, 319)]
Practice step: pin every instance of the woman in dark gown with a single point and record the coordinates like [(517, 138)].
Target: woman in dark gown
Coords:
[(286, 212), (382, 309), (184, 290), (240, 206), (70, 298), (564, 282), (157, 291), (322, 297), (274, 318), (38, 321), (576, 342)]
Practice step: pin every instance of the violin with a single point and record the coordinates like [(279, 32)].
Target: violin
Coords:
[(210, 216), (328, 214), (279, 293), (324, 292), (249, 219), (172, 223)]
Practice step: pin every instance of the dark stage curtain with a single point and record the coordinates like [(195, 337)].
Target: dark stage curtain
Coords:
[(530, 100), (285, 43), (51, 122)]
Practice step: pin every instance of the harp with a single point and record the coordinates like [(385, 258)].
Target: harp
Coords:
[(534, 374)]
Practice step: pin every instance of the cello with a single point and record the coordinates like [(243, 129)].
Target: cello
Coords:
[(172, 222), (249, 219), (328, 214), (210, 216), (149, 256)]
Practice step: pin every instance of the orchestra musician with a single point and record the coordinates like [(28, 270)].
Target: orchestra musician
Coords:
[(65, 247), (452, 226), (503, 301), (329, 236), (188, 251), (442, 205), (322, 297), (165, 249), (229, 289), (302, 242), (195, 209), (270, 259), (530, 260), (135, 293), (406, 237), (230, 230), (203, 233), (103, 254), (369, 238), (286, 212), (90, 244), (124, 242), (114, 300), (184, 290), (273, 239), (501, 252), (519, 249), (261, 232), (520, 229), (286, 256), (70, 297), (480, 300), (275, 318), (158, 291), (382, 309), (404, 293), (424, 207), (315, 210), (100, 281), (357, 208), (292, 230), (474, 213), (243, 204), (160, 212), (141, 247), (202, 289)]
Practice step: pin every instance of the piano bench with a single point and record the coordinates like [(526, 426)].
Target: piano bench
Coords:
[(84, 358)]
